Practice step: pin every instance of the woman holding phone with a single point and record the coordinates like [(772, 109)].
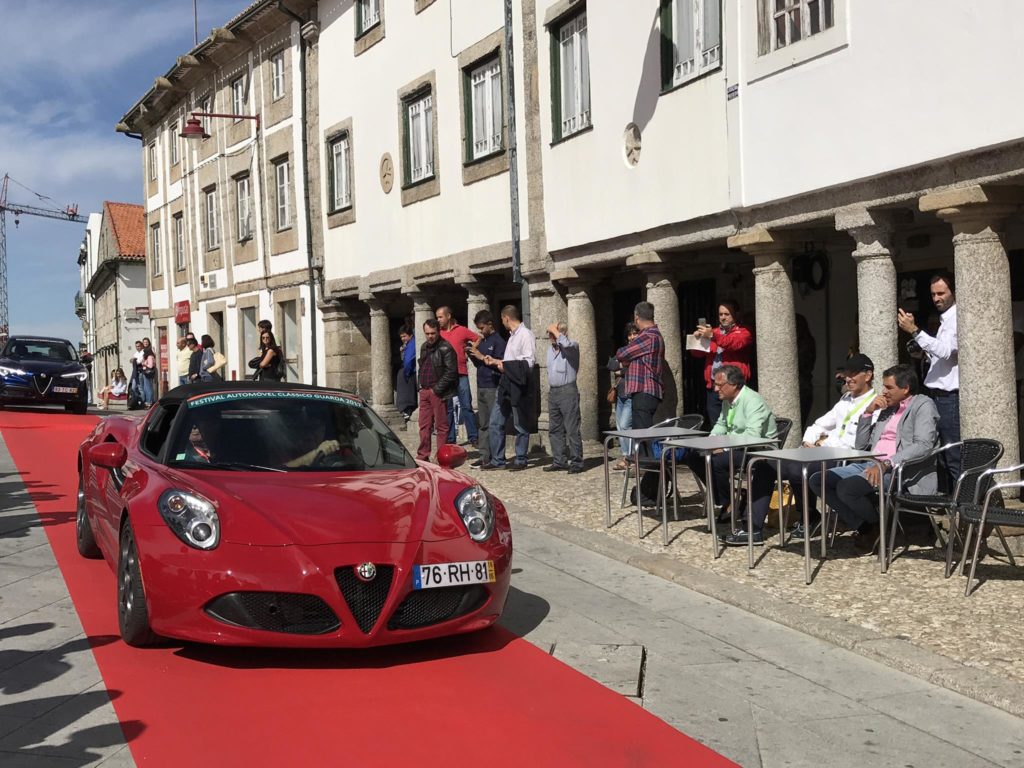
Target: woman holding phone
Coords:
[(728, 344)]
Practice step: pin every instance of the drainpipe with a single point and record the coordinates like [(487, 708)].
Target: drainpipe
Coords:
[(310, 29)]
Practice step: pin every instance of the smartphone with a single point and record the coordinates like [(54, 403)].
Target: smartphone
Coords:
[(702, 321)]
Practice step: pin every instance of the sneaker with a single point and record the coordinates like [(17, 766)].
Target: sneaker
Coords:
[(738, 538), (493, 466), (553, 468), (575, 470), (799, 533), (516, 467), (477, 464)]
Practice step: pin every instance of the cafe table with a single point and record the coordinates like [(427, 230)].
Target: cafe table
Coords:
[(819, 458)]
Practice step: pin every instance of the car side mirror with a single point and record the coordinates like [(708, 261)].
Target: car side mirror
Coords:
[(110, 455), (451, 456)]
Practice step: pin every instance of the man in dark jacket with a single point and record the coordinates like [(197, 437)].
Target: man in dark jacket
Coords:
[(195, 361), (439, 380)]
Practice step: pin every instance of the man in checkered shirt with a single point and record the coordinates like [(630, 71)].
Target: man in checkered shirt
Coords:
[(644, 360)]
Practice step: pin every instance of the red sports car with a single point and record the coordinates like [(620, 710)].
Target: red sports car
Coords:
[(252, 513)]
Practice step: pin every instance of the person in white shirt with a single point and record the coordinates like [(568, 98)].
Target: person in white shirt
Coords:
[(515, 395), (836, 429), (943, 376)]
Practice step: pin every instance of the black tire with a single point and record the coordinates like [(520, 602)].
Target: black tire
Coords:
[(83, 528), (80, 409), (132, 613)]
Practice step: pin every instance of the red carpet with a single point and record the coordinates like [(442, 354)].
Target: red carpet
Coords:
[(490, 700)]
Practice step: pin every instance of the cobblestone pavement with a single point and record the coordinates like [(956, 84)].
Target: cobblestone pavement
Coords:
[(913, 602)]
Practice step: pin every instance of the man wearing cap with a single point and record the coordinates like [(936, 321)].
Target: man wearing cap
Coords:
[(836, 429)]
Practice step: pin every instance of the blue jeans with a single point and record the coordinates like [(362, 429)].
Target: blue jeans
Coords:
[(465, 396), (948, 406), (147, 389), (624, 420), (499, 415)]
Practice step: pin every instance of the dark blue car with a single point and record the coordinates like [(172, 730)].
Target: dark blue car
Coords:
[(41, 370)]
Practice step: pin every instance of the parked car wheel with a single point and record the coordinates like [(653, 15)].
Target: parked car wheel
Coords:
[(132, 614)]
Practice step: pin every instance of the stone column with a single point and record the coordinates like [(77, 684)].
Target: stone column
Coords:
[(546, 307), (661, 292), (876, 282), (423, 311), (988, 398), (346, 350), (478, 299), (381, 384), (777, 377), (581, 322)]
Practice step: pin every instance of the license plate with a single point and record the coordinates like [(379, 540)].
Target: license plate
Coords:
[(66, 390), (452, 574)]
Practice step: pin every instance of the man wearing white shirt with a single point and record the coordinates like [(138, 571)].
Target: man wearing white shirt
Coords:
[(836, 429), (514, 396), (943, 377)]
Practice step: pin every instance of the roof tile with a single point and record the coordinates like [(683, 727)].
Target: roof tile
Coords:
[(128, 223)]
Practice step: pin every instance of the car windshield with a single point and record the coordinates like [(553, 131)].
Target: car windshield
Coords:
[(39, 349), (290, 431)]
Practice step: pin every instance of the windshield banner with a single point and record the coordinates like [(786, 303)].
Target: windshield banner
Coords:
[(234, 397)]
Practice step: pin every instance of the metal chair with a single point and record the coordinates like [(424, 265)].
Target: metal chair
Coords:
[(989, 513), (782, 430), (976, 456), (647, 463)]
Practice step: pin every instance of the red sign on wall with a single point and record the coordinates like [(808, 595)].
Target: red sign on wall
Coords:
[(182, 312)]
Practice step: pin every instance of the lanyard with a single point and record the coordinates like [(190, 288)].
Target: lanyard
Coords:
[(732, 411), (858, 406)]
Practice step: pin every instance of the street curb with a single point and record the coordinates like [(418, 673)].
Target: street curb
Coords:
[(978, 684)]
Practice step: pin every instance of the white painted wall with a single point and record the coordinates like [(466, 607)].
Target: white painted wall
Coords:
[(903, 83), (365, 89), (590, 192)]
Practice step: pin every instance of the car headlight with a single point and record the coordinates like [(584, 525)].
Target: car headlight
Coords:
[(192, 518), (5, 371), (474, 506), (80, 375)]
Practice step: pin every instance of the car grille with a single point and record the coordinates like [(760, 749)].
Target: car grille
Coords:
[(365, 598), (424, 607), (295, 614)]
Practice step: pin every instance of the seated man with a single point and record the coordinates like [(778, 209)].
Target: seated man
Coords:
[(744, 412), (900, 426), (836, 429)]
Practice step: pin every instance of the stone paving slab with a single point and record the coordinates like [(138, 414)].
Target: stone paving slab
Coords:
[(619, 667), (970, 645)]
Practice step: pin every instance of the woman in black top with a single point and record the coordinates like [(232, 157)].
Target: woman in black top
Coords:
[(269, 367)]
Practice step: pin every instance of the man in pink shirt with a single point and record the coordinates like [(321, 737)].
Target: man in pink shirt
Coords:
[(459, 336), (900, 426)]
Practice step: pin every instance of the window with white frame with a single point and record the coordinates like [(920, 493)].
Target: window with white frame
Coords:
[(179, 242), (277, 76), (212, 220), (243, 207), (695, 38), (341, 178), (789, 21), (419, 117), (154, 247), (152, 161), (572, 70), (369, 14), (172, 141), (282, 178), (206, 105), (238, 96), (485, 109)]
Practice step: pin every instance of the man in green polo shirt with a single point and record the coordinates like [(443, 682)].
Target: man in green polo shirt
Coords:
[(744, 412)]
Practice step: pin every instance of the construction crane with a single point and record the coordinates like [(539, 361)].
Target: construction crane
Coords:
[(70, 213)]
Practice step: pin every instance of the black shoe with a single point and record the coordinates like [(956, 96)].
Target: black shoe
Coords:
[(575, 470), (516, 467), (493, 466), (866, 538), (553, 468), (477, 463), (798, 532), (738, 538), (723, 515)]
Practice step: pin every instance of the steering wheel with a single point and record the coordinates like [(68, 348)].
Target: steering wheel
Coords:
[(344, 456)]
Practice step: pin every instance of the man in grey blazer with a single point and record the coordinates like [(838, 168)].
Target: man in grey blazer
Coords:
[(900, 426)]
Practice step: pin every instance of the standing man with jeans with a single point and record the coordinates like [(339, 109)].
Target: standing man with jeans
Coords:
[(459, 336), (487, 379), (438, 380), (515, 392), (564, 402), (943, 376), (645, 356)]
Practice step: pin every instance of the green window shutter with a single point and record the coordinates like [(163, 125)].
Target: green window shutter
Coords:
[(330, 176), (556, 86), (667, 48), (467, 109), (406, 159)]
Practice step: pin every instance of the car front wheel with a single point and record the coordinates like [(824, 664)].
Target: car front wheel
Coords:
[(83, 528), (132, 614)]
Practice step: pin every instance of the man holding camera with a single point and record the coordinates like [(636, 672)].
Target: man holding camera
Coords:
[(943, 376), (460, 337), (563, 402)]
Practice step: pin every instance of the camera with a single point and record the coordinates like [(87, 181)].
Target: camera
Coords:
[(913, 347)]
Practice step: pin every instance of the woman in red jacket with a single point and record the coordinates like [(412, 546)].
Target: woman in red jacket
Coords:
[(728, 344)]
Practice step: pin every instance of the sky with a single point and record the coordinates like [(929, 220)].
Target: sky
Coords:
[(69, 70)]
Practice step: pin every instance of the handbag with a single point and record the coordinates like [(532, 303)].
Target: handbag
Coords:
[(788, 504), (612, 395), (219, 361)]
